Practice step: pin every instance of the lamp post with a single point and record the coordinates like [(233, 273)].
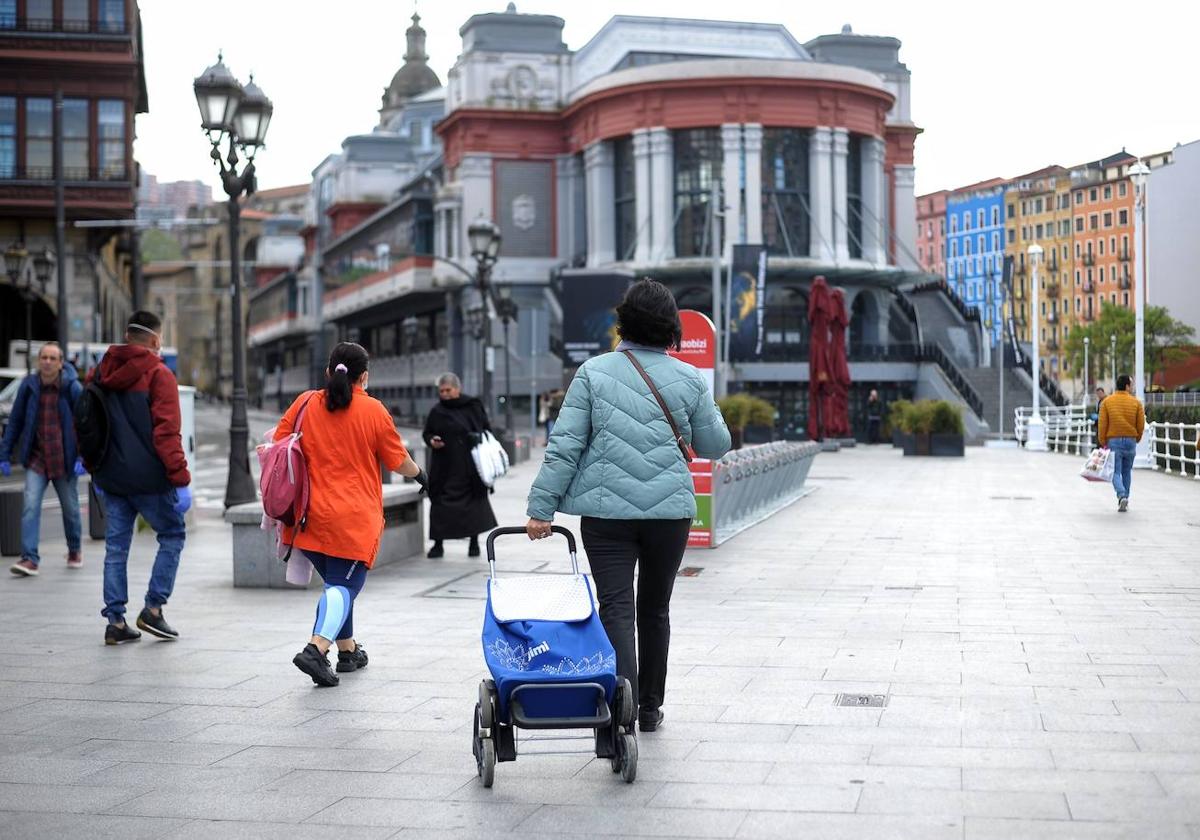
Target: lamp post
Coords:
[(1086, 369), (16, 261), (239, 115), (506, 308), (1139, 173), (411, 325), (484, 238), (1112, 344), (1035, 438)]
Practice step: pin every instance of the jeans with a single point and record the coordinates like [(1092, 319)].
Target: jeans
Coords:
[(158, 509), (1123, 450), (655, 546), (31, 513)]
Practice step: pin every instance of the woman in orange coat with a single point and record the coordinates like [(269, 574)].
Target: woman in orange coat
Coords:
[(345, 436)]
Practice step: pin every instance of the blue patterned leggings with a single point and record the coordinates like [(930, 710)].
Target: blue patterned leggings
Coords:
[(344, 579)]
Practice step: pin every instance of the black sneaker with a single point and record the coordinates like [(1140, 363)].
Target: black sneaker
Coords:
[(351, 660), (473, 549), (117, 634), (649, 720), (311, 662), (436, 552), (156, 625)]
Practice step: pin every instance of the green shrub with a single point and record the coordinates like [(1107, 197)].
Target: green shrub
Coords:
[(895, 415), (946, 418), (742, 410)]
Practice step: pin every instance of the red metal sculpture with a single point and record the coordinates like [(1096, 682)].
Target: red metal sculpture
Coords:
[(839, 418), (820, 380)]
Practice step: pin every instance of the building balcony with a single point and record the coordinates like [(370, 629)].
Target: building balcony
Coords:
[(1089, 258), (1053, 289), (1124, 282), (1088, 316), (1052, 344), (105, 192), (1052, 317), (1125, 255), (41, 26), (1088, 287)]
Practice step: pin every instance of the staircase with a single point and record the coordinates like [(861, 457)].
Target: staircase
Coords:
[(947, 322)]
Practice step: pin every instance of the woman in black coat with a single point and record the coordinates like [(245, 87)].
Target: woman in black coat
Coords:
[(459, 506)]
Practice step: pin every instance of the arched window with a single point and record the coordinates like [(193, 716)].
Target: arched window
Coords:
[(785, 196), (698, 159)]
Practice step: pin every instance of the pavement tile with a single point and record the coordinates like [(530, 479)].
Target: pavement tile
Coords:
[(220, 805), (783, 796), (182, 777), (644, 822), (40, 826), (984, 828), (946, 778), (314, 758), (962, 757), (450, 816), (426, 786), (788, 826), (69, 799), (152, 752), (1064, 781), (234, 830)]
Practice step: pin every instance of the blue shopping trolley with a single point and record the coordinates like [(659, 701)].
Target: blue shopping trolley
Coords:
[(552, 667)]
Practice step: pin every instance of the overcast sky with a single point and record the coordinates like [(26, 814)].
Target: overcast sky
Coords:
[(1030, 84)]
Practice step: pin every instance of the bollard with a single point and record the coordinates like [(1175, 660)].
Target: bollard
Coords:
[(11, 501)]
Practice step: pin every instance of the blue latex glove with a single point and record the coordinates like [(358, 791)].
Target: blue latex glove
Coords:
[(6, 468), (183, 499), (80, 469)]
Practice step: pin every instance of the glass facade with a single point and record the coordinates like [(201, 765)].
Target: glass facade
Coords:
[(854, 205), (8, 137), (110, 130), (785, 192), (624, 198), (698, 165)]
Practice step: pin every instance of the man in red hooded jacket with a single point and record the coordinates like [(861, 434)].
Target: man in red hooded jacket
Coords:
[(144, 470)]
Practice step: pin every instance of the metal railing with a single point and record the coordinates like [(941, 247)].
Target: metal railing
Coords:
[(1181, 398), (934, 353), (1069, 428), (1049, 386), (1176, 448), (750, 484)]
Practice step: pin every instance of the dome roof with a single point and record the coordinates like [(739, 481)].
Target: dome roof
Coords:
[(415, 76)]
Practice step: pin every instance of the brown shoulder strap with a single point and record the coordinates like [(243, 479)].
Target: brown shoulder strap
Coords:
[(684, 449)]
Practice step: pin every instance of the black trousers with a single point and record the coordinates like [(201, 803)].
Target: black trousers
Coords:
[(655, 546)]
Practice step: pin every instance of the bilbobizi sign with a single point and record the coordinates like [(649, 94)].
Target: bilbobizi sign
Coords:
[(699, 348)]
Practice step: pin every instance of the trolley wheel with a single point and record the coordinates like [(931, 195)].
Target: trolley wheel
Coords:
[(623, 705), (487, 704), (487, 763), (629, 757)]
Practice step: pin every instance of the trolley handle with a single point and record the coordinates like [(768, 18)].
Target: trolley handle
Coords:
[(499, 532)]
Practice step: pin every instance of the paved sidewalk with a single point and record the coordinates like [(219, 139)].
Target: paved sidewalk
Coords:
[(1039, 654)]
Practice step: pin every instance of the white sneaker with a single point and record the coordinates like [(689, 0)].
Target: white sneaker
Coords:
[(1123, 505)]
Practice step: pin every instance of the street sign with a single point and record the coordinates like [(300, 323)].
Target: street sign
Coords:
[(699, 349)]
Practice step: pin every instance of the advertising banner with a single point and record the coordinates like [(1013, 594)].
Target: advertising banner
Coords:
[(699, 349), (747, 297), (589, 301)]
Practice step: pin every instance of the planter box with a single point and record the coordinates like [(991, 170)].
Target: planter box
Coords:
[(758, 434), (907, 442), (946, 445), (897, 439), (916, 444)]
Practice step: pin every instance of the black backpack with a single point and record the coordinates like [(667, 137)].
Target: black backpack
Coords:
[(92, 425)]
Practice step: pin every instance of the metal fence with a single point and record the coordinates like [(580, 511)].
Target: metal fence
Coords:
[(1175, 447), (750, 484), (1069, 430)]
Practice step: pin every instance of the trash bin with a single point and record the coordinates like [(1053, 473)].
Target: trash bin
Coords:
[(11, 502), (97, 520)]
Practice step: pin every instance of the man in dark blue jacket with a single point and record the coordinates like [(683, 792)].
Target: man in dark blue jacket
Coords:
[(42, 433), (144, 471)]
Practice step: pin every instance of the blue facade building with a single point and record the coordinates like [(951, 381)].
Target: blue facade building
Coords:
[(975, 250)]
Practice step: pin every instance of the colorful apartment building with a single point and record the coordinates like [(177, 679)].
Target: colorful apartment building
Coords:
[(975, 249), (1102, 206), (1039, 211), (931, 232)]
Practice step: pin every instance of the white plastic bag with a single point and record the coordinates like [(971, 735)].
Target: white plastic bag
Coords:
[(299, 569), (491, 461), (1098, 466)]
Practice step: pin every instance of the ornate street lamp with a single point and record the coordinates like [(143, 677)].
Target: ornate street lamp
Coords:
[(30, 285), (484, 238), (1035, 437), (506, 309), (1139, 173), (239, 115), (411, 326)]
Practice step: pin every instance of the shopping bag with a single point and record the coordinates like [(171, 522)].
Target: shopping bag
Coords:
[(299, 570), (491, 461), (1098, 466)]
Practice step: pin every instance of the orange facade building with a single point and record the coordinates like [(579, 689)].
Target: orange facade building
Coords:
[(931, 232)]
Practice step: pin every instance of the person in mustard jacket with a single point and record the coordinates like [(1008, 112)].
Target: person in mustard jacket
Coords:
[(345, 437), (1122, 422)]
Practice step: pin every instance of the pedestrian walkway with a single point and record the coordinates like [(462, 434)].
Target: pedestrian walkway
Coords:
[(1038, 654)]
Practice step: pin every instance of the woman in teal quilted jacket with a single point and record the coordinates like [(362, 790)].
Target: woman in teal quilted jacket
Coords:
[(613, 459)]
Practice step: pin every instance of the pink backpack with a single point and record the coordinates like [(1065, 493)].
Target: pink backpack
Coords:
[(284, 479)]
